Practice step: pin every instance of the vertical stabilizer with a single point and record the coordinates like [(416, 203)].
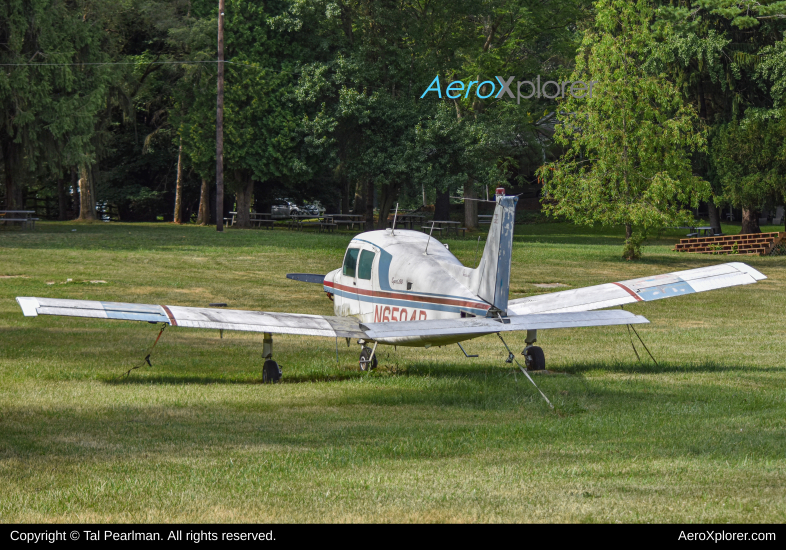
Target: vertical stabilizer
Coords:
[(494, 270)]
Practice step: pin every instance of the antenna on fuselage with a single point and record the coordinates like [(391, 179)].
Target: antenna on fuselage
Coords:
[(393, 230), (429, 238)]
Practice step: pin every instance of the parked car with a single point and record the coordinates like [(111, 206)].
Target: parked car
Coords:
[(313, 209), (283, 208)]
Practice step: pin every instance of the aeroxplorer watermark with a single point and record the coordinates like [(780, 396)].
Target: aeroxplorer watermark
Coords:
[(551, 89)]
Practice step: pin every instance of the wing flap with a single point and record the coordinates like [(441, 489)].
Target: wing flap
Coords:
[(644, 289), (484, 325)]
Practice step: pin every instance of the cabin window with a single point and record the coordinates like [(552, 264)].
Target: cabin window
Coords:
[(364, 266), (350, 260)]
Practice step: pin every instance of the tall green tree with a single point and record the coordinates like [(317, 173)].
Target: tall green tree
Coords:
[(720, 54), (628, 147), (50, 94)]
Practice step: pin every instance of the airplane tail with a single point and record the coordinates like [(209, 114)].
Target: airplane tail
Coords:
[(493, 281)]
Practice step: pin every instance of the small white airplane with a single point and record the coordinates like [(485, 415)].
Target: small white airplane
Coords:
[(405, 288)]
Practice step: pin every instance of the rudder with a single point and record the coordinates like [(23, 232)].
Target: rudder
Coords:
[(494, 268)]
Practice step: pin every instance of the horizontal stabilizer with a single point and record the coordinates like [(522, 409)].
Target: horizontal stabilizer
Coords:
[(485, 325), (645, 289), (307, 278)]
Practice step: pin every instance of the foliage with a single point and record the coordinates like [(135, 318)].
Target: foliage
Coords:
[(627, 158), (750, 159)]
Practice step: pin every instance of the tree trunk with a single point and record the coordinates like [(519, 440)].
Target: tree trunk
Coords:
[(628, 231), (86, 211), (344, 196), (442, 206), (178, 217), (73, 214), (93, 169), (62, 200), (388, 195), (360, 199), (470, 206), (714, 216), (243, 197), (220, 121), (750, 221), (203, 218), (13, 193), (369, 204)]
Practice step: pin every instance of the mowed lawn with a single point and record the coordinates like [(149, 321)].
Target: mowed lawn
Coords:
[(431, 436)]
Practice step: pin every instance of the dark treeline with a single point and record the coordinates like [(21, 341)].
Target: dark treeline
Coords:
[(111, 106)]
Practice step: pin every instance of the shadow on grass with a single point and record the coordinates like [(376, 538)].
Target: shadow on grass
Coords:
[(473, 374), (651, 368), (206, 380)]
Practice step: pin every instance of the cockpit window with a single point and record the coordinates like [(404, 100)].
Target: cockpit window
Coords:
[(364, 266), (350, 260)]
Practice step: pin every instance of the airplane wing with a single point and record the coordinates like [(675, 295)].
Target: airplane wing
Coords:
[(198, 317), (478, 326), (644, 289), (317, 325)]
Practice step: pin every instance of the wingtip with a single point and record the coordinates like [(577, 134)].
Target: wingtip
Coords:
[(748, 270), (28, 305)]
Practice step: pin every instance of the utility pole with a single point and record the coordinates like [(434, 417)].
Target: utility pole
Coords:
[(220, 122)]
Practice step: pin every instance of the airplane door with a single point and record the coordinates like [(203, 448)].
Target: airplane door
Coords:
[(363, 284)]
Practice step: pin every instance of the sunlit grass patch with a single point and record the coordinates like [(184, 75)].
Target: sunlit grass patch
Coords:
[(429, 436)]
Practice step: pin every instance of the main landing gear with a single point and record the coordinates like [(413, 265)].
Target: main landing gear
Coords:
[(271, 372), (534, 358), (368, 358)]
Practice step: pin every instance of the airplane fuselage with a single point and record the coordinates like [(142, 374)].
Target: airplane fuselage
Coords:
[(402, 276)]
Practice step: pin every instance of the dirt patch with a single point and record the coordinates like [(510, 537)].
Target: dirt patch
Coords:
[(13, 277), (549, 285)]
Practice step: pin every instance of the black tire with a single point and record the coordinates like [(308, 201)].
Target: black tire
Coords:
[(536, 359), (271, 372), (365, 353)]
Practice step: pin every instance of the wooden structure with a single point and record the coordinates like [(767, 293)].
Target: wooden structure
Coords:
[(762, 244), (23, 218)]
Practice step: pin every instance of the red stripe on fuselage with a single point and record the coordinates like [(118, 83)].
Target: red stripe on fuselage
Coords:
[(408, 297), (629, 291)]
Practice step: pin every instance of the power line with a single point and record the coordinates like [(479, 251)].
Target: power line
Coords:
[(128, 63)]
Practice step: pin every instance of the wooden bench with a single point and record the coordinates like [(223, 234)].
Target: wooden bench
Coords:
[(351, 223), (23, 222), (427, 229), (263, 223), (485, 219), (463, 231)]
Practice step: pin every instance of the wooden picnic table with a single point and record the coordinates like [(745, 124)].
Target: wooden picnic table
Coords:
[(257, 219), (23, 217), (347, 219), (443, 224), (485, 218), (323, 222), (697, 231), (408, 221)]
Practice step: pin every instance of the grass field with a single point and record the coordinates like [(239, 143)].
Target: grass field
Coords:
[(429, 437)]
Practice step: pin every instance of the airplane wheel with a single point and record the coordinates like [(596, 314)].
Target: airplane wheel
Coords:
[(535, 358), (365, 353), (271, 372)]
